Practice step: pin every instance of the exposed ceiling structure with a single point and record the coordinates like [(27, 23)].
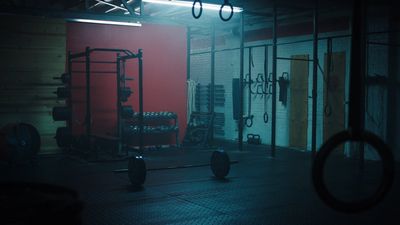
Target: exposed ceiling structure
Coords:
[(257, 13)]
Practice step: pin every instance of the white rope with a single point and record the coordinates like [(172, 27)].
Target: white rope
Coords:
[(191, 98)]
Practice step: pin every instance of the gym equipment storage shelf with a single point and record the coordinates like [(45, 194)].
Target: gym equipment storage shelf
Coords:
[(155, 123)]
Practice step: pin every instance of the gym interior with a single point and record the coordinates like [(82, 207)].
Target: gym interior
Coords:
[(199, 112)]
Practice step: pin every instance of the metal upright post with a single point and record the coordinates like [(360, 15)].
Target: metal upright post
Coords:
[(119, 105), (266, 91), (274, 63), (141, 119), (357, 74), (240, 122), (88, 120), (212, 85), (188, 48), (392, 116), (68, 101), (315, 81)]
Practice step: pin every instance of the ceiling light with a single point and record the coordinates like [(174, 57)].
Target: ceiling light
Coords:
[(134, 24), (190, 4)]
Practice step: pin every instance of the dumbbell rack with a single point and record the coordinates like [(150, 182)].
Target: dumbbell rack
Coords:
[(154, 124)]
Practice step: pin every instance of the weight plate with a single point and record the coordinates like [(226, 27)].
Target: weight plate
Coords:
[(137, 170), (220, 164), (34, 136), (63, 137)]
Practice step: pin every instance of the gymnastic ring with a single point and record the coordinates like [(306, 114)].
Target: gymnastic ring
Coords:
[(250, 118), (201, 9), (226, 3), (328, 110), (321, 158), (266, 117)]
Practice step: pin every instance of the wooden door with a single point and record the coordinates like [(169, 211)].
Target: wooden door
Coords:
[(298, 101)]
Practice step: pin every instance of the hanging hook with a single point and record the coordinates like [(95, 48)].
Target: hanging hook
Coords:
[(265, 117)]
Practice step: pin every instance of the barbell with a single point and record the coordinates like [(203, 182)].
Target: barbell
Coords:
[(137, 171)]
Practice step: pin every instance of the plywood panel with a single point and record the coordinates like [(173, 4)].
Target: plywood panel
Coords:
[(32, 52), (32, 25), (32, 59), (298, 102), (334, 94)]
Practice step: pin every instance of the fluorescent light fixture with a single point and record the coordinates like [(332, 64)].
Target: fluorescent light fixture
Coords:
[(190, 4), (137, 24)]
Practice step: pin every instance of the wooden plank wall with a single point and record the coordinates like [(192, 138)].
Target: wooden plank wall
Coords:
[(32, 52)]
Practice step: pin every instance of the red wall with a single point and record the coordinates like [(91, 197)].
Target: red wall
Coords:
[(164, 72)]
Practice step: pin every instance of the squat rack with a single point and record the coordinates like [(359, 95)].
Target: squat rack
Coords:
[(122, 56)]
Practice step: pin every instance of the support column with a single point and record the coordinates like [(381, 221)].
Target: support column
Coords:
[(393, 73), (240, 122), (315, 81), (88, 119), (141, 119), (274, 72), (212, 85), (357, 74), (188, 48)]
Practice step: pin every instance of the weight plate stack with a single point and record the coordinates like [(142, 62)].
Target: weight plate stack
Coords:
[(63, 113)]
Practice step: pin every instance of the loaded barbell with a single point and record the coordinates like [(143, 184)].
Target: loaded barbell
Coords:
[(137, 171)]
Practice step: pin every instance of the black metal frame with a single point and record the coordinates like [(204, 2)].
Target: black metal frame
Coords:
[(127, 54)]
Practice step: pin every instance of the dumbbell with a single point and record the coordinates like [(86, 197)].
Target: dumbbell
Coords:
[(219, 164)]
